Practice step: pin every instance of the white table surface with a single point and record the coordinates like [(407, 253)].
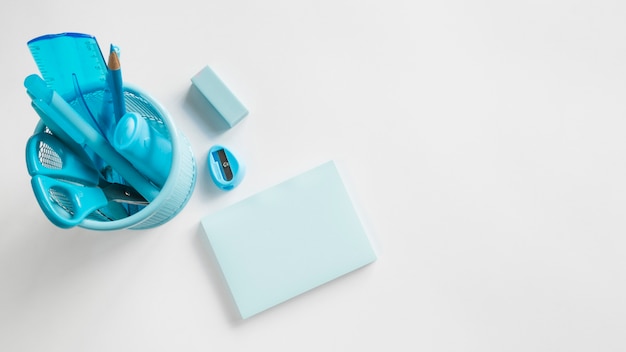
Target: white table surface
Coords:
[(482, 141)]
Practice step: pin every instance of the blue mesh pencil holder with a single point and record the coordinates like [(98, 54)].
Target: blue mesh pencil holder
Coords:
[(180, 182)]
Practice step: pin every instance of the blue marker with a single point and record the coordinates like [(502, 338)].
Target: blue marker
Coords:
[(146, 148)]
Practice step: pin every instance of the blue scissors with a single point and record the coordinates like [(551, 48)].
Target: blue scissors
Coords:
[(68, 187)]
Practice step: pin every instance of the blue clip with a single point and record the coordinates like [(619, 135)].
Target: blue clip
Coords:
[(226, 171)]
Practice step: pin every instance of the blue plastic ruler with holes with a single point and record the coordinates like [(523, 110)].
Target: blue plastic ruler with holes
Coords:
[(69, 62)]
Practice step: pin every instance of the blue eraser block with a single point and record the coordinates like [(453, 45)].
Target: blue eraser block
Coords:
[(219, 96)]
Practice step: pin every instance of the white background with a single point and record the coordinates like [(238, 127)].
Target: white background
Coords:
[(483, 143)]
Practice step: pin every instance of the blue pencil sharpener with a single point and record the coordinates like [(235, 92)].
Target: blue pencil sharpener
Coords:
[(225, 169)]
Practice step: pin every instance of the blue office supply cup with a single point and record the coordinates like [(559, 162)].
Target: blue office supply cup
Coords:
[(177, 185)]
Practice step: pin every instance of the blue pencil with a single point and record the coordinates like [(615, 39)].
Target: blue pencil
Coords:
[(117, 85)]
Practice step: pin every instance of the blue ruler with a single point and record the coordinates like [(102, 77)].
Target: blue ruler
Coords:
[(67, 59)]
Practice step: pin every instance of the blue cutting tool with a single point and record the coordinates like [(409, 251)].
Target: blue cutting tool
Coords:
[(67, 186)]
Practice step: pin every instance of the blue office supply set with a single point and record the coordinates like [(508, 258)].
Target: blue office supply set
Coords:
[(106, 155), (84, 106)]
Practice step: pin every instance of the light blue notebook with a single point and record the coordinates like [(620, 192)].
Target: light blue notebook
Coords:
[(288, 239)]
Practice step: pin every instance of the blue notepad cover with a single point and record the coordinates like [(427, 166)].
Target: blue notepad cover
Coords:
[(288, 239)]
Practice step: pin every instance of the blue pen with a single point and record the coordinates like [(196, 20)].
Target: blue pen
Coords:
[(116, 84)]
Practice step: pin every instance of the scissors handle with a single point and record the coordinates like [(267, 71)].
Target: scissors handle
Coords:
[(47, 155), (66, 204)]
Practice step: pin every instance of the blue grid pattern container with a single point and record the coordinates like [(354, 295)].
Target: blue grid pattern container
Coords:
[(181, 180)]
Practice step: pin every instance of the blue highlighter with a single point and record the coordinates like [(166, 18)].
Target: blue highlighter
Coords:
[(226, 170), (144, 147)]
